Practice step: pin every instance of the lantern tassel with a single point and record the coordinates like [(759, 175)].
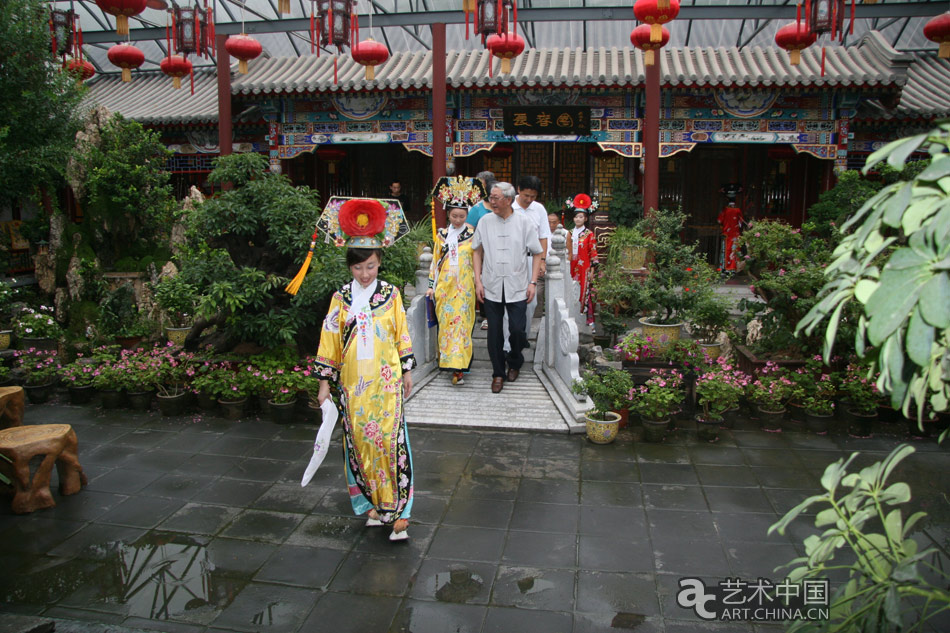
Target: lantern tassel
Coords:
[(656, 32), (505, 65), (294, 286), (122, 24), (334, 71), (126, 75), (242, 66), (822, 61), (944, 51), (795, 57), (434, 230), (176, 83), (648, 57), (283, 6), (191, 74)]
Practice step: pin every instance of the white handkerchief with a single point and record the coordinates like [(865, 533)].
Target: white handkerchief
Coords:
[(322, 444)]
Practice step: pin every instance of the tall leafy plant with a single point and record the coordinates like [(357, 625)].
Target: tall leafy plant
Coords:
[(895, 261), (626, 203)]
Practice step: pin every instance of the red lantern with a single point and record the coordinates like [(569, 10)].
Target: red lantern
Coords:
[(82, 69), (176, 67), (370, 54), (126, 57), (122, 9), (507, 47), (938, 30), (492, 17), (61, 31), (642, 38), (650, 12), (336, 21), (243, 47), (795, 37), (826, 16)]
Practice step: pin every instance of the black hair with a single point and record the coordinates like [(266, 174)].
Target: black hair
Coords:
[(530, 182), (359, 255)]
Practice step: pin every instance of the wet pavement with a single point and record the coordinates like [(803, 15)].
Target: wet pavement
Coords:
[(200, 524)]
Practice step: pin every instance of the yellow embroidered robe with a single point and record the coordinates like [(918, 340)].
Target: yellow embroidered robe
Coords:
[(454, 300), (376, 444)]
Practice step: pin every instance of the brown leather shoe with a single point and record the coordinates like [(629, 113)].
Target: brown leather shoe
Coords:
[(513, 375), (496, 385)]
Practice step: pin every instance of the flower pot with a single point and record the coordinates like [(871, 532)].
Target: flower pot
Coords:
[(5, 336), (81, 395), (602, 431), (707, 430), (861, 424), (38, 394), (43, 343), (232, 409), (207, 402), (128, 342), (662, 334), (633, 257), (110, 398), (174, 405), (624, 418), (818, 422), (140, 400), (282, 412), (654, 430), (177, 334), (730, 417), (711, 350), (751, 364), (770, 421)]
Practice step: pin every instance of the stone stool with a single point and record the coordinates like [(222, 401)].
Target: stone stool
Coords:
[(58, 443), (11, 406)]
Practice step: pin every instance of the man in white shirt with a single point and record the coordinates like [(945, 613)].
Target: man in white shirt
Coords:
[(526, 202), (505, 280)]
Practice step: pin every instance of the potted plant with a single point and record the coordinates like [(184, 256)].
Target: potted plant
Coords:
[(7, 296), (175, 370), (281, 390), (708, 317), (627, 247), (657, 400), (78, 376), (718, 389), (608, 390), (39, 369), (109, 376), (626, 204), (179, 301), (227, 383), (770, 391), (37, 329), (863, 398)]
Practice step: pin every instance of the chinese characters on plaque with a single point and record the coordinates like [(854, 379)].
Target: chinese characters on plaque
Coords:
[(546, 120)]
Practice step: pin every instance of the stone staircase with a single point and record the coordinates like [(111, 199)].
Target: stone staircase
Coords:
[(524, 405)]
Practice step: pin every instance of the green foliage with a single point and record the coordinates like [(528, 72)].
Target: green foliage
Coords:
[(128, 199), (859, 388), (119, 314), (608, 389), (661, 396), (81, 315), (401, 259), (719, 388), (38, 367), (709, 315), (904, 324), (258, 233), (677, 274), (38, 103), (37, 323), (814, 386), (626, 203), (178, 298), (886, 588)]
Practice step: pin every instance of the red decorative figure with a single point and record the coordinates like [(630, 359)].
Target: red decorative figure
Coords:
[(730, 219)]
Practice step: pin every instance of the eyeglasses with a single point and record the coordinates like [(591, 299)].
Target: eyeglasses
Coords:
[(496, 198)]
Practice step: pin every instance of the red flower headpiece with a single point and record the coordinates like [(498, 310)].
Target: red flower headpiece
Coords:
[(582, 201), (361, 217)]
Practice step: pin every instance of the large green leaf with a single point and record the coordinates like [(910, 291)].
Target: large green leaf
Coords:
[(918, 212), (893, 300), (935, 301), (864, 289), (888, 150), (904, 149), (939, 168), (894, 208), (920, 338)]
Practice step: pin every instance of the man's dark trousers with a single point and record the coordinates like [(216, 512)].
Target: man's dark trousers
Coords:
[(518, 340)]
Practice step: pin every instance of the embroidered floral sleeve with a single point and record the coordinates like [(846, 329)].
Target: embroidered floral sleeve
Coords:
[(408, 363), (329, 353), (403, 342)]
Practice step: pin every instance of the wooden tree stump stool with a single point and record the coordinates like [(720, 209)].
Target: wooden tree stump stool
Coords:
[(58, 444), (11, 406)]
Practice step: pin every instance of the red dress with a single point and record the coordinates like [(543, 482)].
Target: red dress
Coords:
[(730, 219), (581, 261)]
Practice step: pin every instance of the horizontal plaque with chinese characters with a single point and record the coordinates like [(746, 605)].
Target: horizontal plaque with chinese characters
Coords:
[(546, 120)]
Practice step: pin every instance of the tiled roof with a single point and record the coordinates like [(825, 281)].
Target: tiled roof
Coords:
[(150, 97), (873, 62), (927, 92)]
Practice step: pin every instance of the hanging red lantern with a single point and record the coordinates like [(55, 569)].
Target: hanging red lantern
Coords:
[(650, 12), (938, 30), (61, 31), (794, 38), (642, 38), (81, 68), (243, 47), (826, 16), (370, 54), (492, 17), (468, 8), (176, 67), (126, 57), (122, 10), (336, 17), (507, 47)]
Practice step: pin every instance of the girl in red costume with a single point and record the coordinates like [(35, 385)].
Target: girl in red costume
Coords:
[(582, 246)]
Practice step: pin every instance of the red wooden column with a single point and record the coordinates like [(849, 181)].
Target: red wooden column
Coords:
[(439, 98), (224, 95), (651, 137)]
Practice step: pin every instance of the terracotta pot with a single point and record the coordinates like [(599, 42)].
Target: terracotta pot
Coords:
[(602, 431)]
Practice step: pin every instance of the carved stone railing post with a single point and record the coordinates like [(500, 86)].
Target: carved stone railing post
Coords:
[(422, 271), (424, 343)]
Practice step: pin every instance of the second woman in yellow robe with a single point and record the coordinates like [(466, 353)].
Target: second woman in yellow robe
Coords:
[(452, 286)]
